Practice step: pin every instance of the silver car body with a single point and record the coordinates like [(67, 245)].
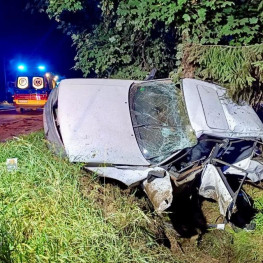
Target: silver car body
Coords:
[(95, 122), (211, 112), (95, 127)]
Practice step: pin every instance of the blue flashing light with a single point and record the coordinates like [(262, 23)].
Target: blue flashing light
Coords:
[(41, 67), (21, 67)]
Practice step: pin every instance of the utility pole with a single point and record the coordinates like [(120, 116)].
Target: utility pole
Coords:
[(2, 79), (5, 83)]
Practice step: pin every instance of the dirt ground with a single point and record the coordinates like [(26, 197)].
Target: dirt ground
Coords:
[(13, 124)]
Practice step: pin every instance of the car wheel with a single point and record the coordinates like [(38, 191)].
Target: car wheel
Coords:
[(51, 126), (19, 110)]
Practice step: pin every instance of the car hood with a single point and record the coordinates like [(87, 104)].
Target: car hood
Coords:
[(211, 112), (95, 123)]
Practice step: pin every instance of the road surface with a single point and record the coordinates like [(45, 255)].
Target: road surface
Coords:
[(14, 124)]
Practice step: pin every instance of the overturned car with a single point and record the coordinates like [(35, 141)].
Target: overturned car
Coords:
[(159, 135)]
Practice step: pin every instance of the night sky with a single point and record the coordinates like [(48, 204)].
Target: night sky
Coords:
[(32, 39)]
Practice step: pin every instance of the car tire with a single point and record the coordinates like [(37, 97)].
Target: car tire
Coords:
[(19, 110), (51, 126)]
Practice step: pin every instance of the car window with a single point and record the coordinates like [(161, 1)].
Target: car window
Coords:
[(160, 120)]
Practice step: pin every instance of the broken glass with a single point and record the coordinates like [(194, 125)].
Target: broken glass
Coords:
[(160, 120)]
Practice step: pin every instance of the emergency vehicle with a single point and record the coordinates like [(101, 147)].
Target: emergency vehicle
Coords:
[(31, 92)]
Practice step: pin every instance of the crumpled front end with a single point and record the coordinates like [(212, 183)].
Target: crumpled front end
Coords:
[(223, 166), (237, 133)]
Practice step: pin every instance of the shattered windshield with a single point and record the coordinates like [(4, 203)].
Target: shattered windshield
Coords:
[(160, 120)]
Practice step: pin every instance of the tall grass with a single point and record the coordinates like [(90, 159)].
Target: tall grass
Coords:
[(44, 217), (51, 211)]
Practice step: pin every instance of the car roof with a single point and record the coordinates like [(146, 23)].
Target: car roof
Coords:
[(95, 122)]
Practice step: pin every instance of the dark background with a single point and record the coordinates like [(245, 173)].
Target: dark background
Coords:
[(31, 39)]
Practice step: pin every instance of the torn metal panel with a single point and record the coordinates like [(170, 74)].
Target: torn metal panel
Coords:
[(160, 192), (127, 175), (212, 186), (253, 168), (212, 113)]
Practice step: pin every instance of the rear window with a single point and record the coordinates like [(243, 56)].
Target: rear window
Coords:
[(160, 121)]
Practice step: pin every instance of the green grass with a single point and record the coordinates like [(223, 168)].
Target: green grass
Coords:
[(44, 217), (53, 211)]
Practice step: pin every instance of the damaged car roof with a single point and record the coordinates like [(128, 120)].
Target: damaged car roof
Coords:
[(97, 127)]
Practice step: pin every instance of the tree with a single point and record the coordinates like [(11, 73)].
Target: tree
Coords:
[(127, 38)]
